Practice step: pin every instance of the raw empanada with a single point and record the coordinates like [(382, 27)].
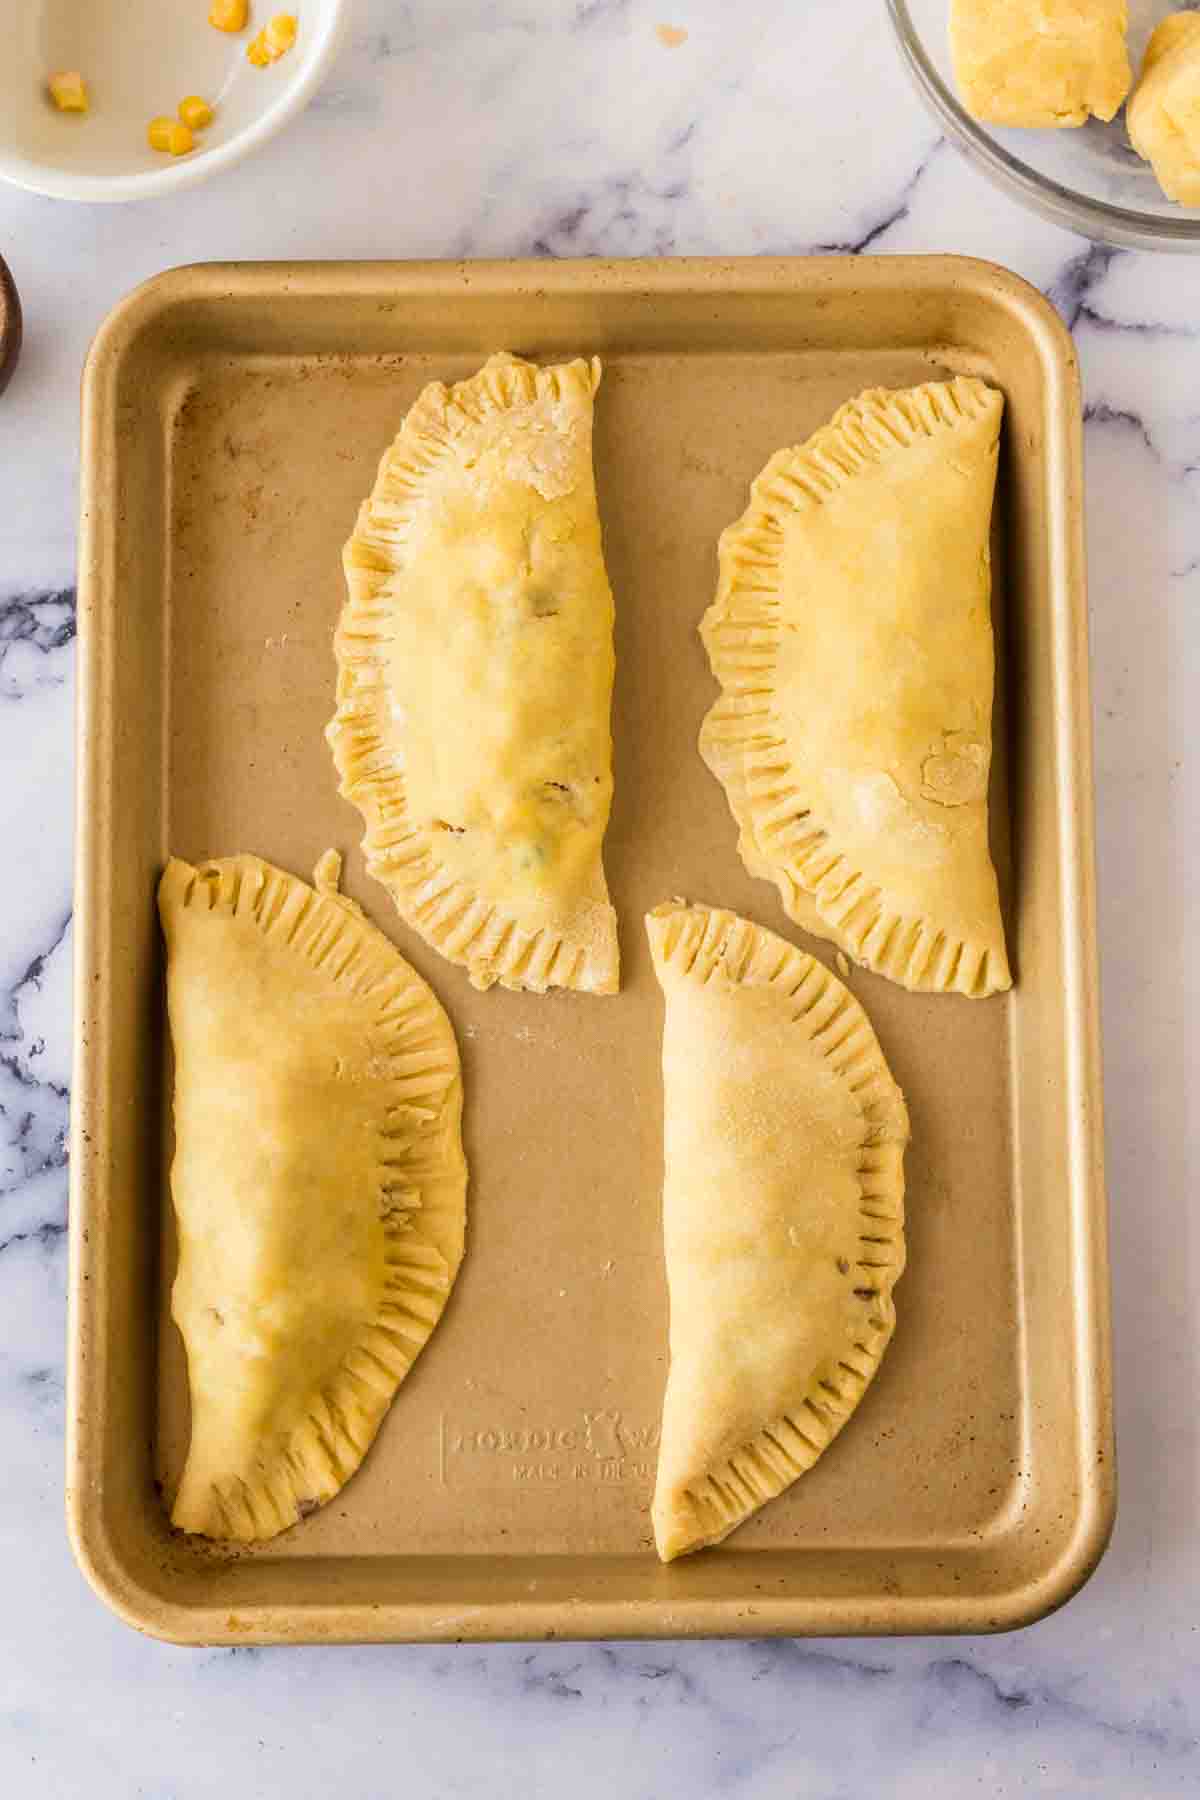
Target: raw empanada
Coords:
[(475, 671), (1040, 62), (1163, 115), (783, 1216), (319, 1183), (852, 637)]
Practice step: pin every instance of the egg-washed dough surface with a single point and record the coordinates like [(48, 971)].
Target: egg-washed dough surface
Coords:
[(783, 1216), (475, 671), (318, 1181), (1040, 62), (851, 635), (1163, 115)]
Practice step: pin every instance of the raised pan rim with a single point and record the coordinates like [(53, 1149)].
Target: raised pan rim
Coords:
[(97, 1555)]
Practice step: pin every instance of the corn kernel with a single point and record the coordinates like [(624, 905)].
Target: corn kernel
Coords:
[(229, 15), (278, 35), (169, 135), (281, 33), (195, 112), (68, 90)]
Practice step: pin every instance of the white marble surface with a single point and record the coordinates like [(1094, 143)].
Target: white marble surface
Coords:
[(567, 127)]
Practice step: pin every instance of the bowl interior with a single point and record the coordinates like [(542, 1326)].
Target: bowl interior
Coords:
[(1095, 163), (139, 59)]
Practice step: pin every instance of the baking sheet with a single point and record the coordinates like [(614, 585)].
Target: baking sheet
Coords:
[(233, 418)]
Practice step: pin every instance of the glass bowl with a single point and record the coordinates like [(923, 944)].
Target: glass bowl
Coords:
[(1091, 179)]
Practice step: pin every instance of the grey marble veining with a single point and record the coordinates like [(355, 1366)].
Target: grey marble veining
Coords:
[(565, 128)]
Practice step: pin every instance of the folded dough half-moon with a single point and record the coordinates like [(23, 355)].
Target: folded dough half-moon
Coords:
[(852, 638), (783, 1216), (475, 672), (319, 1183)]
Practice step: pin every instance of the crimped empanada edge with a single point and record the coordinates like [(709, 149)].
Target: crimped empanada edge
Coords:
[(697, 941), (465, 927), (739, 735), (329, 1444)]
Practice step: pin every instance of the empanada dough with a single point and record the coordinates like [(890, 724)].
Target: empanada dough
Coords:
[(1040, 62), (319, 1184), (1163, 116), (852, 637), (783, 1216), (475, 671)]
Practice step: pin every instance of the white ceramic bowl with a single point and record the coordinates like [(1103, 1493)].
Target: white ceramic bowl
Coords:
[(139, 59)]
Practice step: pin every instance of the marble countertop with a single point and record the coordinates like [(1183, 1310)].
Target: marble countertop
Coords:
[(575, 128)]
